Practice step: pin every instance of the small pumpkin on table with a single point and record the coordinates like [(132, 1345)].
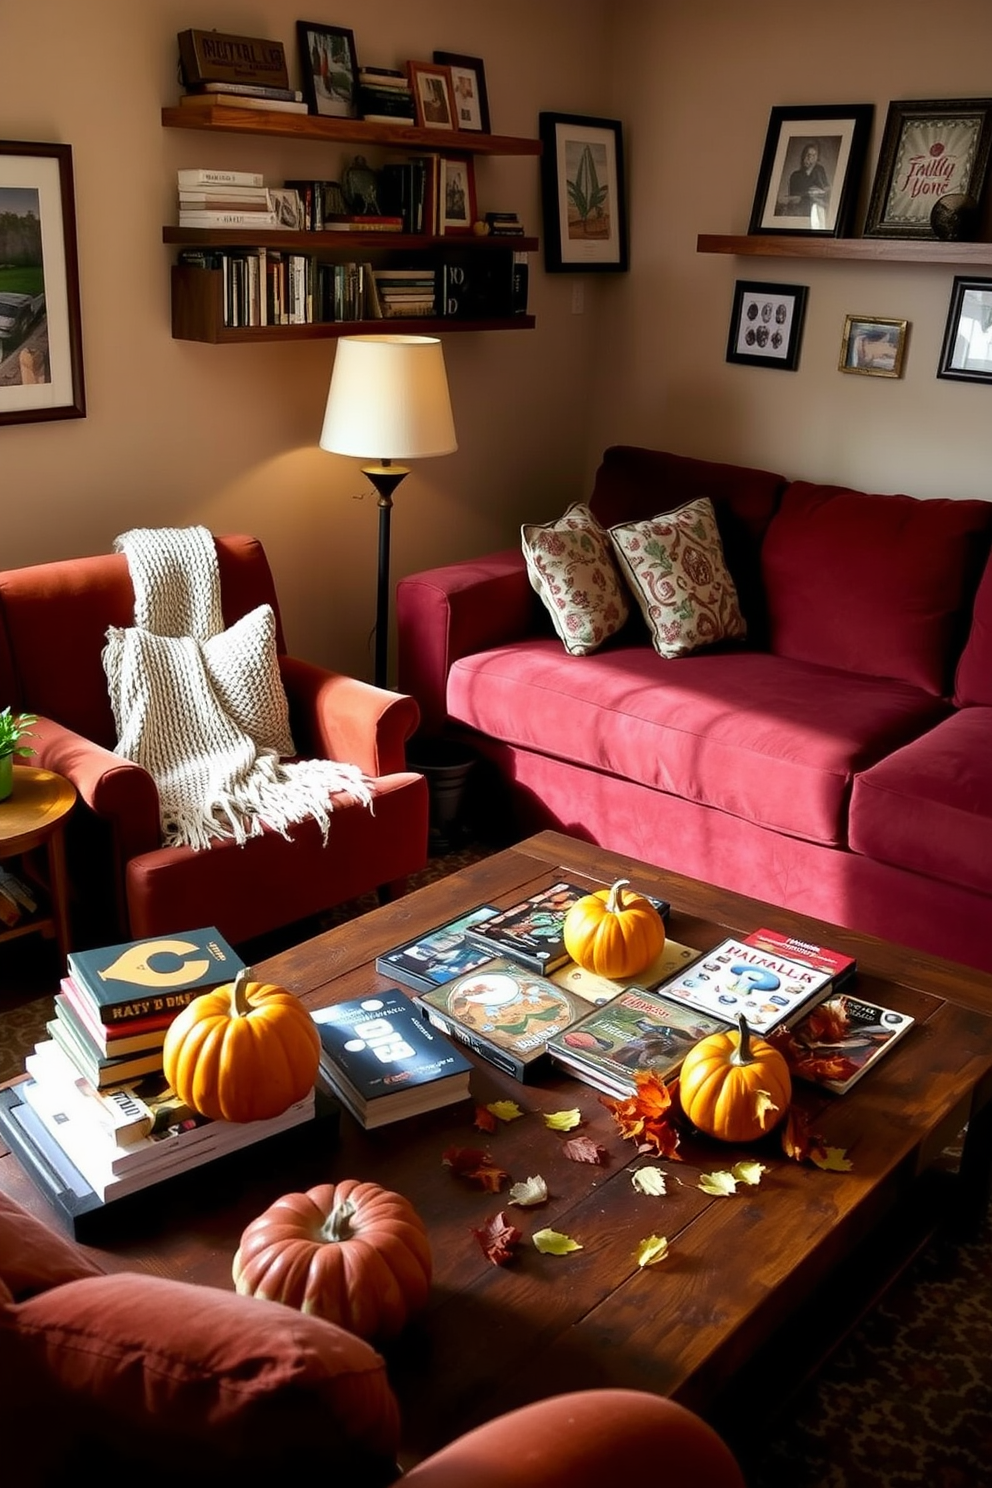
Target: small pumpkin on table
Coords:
[(614, 932)]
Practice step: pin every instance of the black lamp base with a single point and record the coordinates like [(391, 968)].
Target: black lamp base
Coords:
[(385, 478)]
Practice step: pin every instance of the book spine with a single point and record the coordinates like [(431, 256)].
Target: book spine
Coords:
[(207, 176), (249, 90), (263, 221), (501, 1058)]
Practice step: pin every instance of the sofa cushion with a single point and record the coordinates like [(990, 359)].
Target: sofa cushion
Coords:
[(571, 566), (928, 806), (675, 567), (973, 682), (768, 739), (874, 584), (193, 1375), (34, 1257)]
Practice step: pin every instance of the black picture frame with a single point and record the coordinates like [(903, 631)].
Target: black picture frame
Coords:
[(582, 193), (41, 346), (468, 83), (966, 352), (818, 201), (766, 324), (930, 149), (329, 69)]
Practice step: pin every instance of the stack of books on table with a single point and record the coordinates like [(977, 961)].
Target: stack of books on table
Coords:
[(403, 293), (384, 96), (244, 202)]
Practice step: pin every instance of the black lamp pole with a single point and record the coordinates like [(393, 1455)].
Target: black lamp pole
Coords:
[(385, 477)]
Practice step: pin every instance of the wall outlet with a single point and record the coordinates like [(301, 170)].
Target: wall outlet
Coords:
[(578, 297)]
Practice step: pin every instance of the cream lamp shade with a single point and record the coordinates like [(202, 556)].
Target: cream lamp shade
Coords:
[(388, 399)]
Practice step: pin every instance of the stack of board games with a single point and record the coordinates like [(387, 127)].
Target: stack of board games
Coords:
[(634, 1031), (531, 931), (839, 1040), (734, 978), (437, 957), (840, 966)]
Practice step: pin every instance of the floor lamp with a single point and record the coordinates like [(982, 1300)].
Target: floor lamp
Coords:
[(388, 399)]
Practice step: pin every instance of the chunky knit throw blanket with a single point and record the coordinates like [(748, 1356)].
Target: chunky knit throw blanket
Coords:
[(203, 709)]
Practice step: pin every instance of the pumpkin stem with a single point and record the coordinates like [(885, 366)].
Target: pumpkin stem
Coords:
[(240, 1006), (614, 902), (742, 1054), (337, 1225)]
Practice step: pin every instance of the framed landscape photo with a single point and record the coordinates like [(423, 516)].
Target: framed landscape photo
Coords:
[(41, 351), (929, 150), (433, 99), (468, 84), (811, 169), (329, 66), (873, 346), (766, 324), (966, 355), (582, 190), (458, 210)]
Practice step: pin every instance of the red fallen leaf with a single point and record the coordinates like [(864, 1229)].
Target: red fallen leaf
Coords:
[(497, 1238), (584, 1149), (475, 1166), (798, 1142), (649, 1117), (488, 1177), (828, 1023), (484, 1120)]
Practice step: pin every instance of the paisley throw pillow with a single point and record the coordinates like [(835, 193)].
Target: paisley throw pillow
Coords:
[(571, 566)]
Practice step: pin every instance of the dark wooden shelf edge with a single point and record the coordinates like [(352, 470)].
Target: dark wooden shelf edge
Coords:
[(324, 330), (353, 243), (864, 250), (228, 120)]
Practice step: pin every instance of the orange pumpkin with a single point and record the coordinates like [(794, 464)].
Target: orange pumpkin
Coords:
[(243, 1052), (353, 1253), (733, 1086), (614, 932)]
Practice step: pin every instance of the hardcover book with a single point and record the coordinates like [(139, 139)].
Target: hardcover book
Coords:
[(505, 1013), (102, 1071), (384, 1062), (145, 1106), (155, 975), (531, 930), (86, 1027), (840, 966), (636, 1030), (839, 1040), (734, 978), (440, 955)]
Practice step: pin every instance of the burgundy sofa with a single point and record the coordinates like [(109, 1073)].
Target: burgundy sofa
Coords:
[(836, 762)]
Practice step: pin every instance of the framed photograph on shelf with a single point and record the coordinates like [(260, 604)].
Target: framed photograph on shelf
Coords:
[(966, 355), (582, 189), (41, 349), (766, 324), (433, 99), (929, 150), (329, 67), (458, 210), (873, 346), (810, 170), (468, 84)]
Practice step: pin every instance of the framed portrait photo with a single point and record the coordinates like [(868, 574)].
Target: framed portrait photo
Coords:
[(873, 346), (582, 191), (433, 99), (329, 67), (458, 210), (468, 84), (41, 353), (929, 150), (966, 355), (810, 170), (766, 324)]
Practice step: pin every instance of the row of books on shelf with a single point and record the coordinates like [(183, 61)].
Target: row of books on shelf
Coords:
[(18, 899)]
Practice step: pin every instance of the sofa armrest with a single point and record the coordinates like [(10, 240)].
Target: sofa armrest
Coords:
[(341, 718), (121, 793), (446, 613)]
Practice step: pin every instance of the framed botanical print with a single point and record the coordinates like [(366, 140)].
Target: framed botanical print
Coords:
[(329, 65), (929, 151), (810, 169), (766, 324), (582, 189)]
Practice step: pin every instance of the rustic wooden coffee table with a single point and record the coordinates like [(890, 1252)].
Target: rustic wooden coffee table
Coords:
[(749, 1279)]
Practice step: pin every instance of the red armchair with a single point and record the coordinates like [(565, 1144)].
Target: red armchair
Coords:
[(53, 623)]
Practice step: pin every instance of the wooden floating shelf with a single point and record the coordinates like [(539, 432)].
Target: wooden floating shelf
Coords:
[(353, 244), (227, 120), (863, 250)]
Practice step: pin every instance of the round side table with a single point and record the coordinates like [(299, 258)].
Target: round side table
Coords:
[(33, 816)]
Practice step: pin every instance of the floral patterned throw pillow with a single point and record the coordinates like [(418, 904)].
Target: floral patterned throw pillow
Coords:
[(675, 566), (570, 564)]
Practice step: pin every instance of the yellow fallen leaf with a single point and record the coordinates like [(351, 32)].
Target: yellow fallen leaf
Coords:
[(833, 1160), (748, 1172), (719, 1185), (649, 1181), (563, 1120), (505, 1110), (764, 1109), (531, 1191), (550, 1242), (652, 1250)]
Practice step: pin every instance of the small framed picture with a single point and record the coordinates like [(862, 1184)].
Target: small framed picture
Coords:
[(468, 83), (458, 210), (873, 346), (287, 203), (433, 99), (966, 354), (766, 324), (329, 66), (928, 151), (810, 169), (585, 221)]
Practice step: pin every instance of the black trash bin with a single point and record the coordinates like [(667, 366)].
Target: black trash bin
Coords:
[(446, 765)]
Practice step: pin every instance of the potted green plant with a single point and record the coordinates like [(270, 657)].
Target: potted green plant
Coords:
[(14, 727)]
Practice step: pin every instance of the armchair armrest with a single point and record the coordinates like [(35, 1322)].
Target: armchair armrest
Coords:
[(341, 718), (446, 613), (120, 792)]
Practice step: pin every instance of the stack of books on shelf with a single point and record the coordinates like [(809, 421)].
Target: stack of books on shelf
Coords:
[(245, 96), (480, 286), (504, 225), (17, 899), (405, 292), (244, 202), (384, 96)]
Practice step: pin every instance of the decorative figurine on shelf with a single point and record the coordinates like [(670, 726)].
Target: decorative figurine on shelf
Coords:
[(360, 185), (955, 218)]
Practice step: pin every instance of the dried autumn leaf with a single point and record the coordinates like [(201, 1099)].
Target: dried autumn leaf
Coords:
[(749, 1172), (648, 1117), (652, 1250), (563, 1120), (475, 1166), (531, 1191), (484, 1119), (763, 1108), (497, 1238), (550, 1242), (718, 1185), (798, 1142), (505, 1110), (649, 1181), (584, 1149), (832, 1160)]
